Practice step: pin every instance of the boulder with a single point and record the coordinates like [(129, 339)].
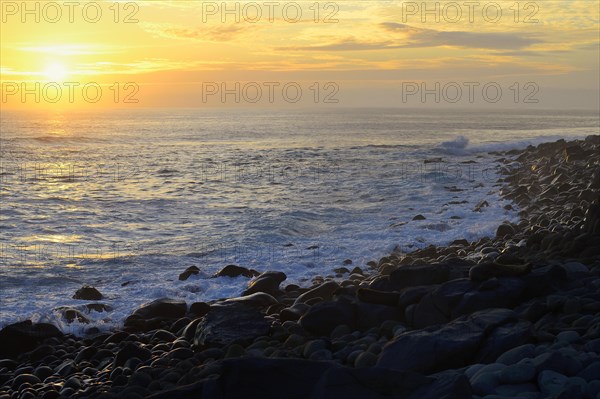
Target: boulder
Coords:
[(199, 309), (324, 291), (131, 350), (323, 317), (165, 308), (190, 271), (24, 336), (416, 275), (235, 271), (267, 282), (226, 324), (258, 299), (454, 345), (460, 297), (88, 293), (370, 315)]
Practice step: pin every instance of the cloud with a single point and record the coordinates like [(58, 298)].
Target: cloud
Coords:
[(405, 36), (213, 34)]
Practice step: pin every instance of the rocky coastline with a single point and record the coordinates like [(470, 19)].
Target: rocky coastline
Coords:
[(512, 316)]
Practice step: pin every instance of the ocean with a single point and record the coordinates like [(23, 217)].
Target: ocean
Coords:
[(127, 200)]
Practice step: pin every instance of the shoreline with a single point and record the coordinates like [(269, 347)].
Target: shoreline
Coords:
[(455, 321)]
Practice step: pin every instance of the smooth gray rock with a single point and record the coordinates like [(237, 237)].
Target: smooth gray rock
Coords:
[(452, 346), (518, 373), (517, 354), (228, 324), (267, 282), (551, 382)]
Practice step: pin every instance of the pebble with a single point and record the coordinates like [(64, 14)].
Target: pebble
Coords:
[(568, 336), (551, 382)]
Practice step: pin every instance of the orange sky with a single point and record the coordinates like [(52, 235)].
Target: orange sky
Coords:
[(360, 53)]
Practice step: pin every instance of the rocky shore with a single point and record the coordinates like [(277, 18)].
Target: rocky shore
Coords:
[(513, 316)]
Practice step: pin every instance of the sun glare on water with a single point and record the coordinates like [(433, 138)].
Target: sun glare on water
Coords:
[(56, 72)]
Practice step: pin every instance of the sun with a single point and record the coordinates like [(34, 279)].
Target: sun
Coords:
[(56, 72)]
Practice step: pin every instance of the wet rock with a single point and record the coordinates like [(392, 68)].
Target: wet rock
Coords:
[(88, 293), (190, 271), (482, 204), (235, 271), (164, 308), (98, 307), (267, 282), (419, 217), (70, 315), (228, 324)]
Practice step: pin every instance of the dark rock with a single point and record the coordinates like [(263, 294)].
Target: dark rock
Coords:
[(98, 307), (482, 204), (324, 291), (267, 282), (258, 299), (372, 315), (164, 308), (85, 354), (293, 313), (88, 293), (24, 336), (279, 378), (452, 346), (199, 308), (41, 352), (234, 271), (190, 271), (24, 378), (436, 307), (447, 385), (163, 336), (415, 275), (419, 217), (229, 324), (378, 297), (129, 351), (323, 317), (506, 336), (486, 271), (505, 230), (70, 315)]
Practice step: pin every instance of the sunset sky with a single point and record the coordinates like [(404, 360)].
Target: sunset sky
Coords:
[(167, 49)]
